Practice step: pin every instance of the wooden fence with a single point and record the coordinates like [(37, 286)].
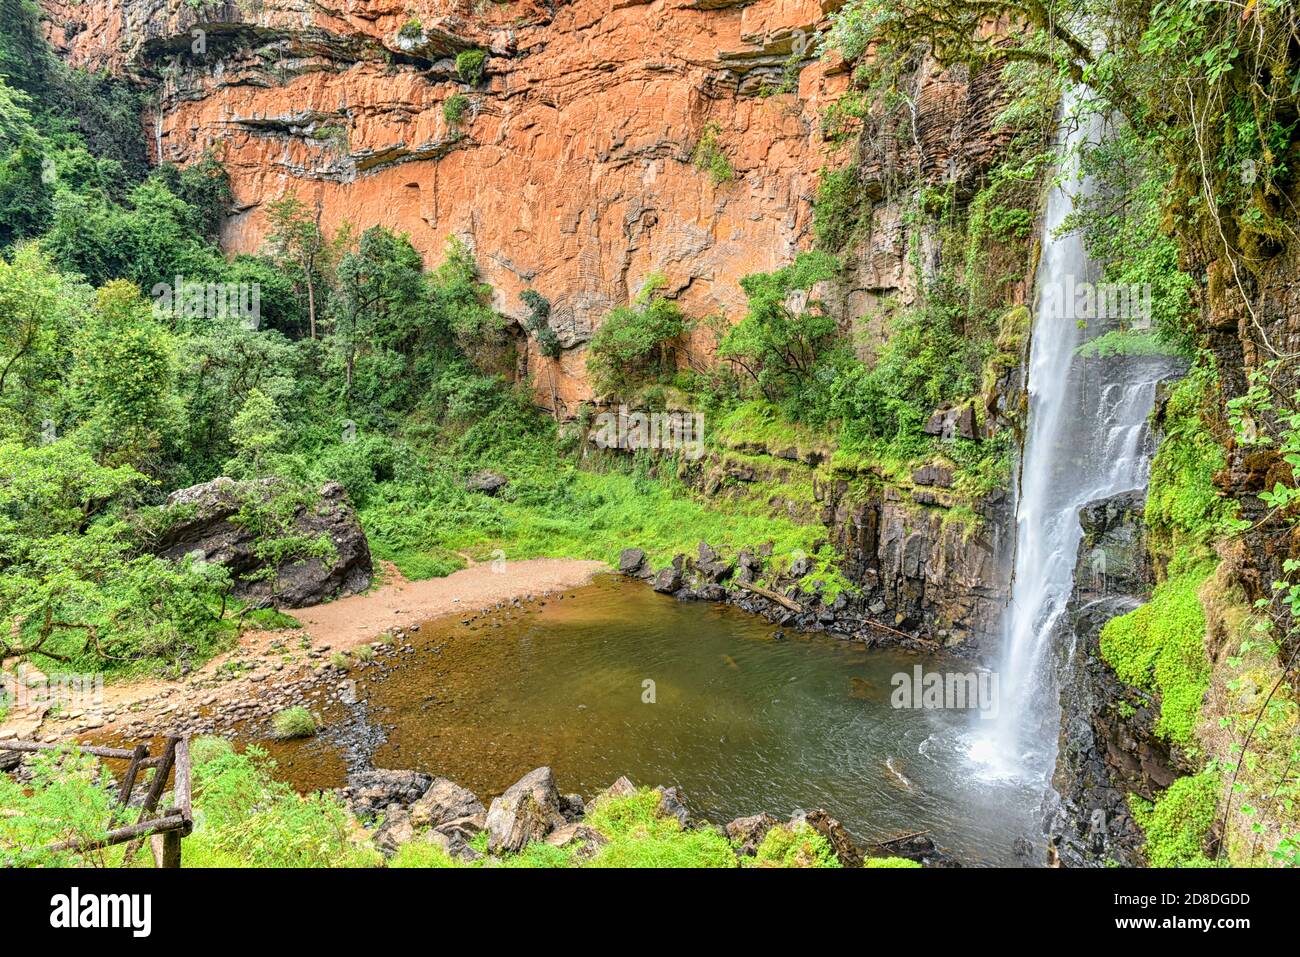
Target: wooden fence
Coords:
[(164, 830)]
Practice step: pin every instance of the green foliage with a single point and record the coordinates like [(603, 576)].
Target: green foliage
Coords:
[(70, 798), (538, 323), (1177, 824), (454, 108), (1184, 507), (838, 209), (709, 156), (797, 846), (779, 345), (470, 66), (245, 818), (74, 585), (1160, 647), (636, 344), (639, 837), (411, 29), (295, 722), (890, 862)]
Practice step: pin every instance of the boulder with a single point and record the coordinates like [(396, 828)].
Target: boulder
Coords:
[(201, 523), (667, 581), (444, 801), (395, 831), (748, 832), (849, 854), (527, 812), (587, 840), (620, 788), (672, 804), (487, 482), (631, 561), (377, 790)]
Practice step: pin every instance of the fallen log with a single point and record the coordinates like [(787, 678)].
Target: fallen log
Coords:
[(770, 595)]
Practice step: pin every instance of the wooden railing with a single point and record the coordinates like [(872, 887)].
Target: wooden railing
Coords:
[(164, 830)]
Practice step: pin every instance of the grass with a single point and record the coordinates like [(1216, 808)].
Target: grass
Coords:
[(296, 722), (797, 846)]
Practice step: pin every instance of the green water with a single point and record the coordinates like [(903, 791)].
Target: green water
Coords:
[(740, 721)]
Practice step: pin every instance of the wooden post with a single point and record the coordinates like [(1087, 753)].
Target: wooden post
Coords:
[(128, 782)]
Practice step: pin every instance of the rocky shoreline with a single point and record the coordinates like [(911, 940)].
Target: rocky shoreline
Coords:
[(783, 601), (400, 807)]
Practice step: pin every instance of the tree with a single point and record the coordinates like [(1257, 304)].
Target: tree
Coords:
[(296, 241), (782, 336), (257, 434), (40, 308), (637, 343), (125, 370), (381, 301)]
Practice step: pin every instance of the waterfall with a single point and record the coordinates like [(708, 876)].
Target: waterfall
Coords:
[(1085, 439)]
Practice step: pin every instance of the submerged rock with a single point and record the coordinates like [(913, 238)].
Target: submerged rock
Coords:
[(527, 812)]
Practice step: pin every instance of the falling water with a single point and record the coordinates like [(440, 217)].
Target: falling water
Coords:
[(1085, 440)]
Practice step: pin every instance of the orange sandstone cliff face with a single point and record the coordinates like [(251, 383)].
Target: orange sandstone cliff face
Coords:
[(571, 172)]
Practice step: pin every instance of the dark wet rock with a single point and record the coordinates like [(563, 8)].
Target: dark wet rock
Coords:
[(1108, 746), (586, 840), (667, 581), (201, 523), (672, 803), (572, 807), (711, 593), (951, 422), (919, 848), (748, 832), (487, 482), (939, 475), (444, 801), (375, 791), (527, 812), (849, 854), (631, 561)]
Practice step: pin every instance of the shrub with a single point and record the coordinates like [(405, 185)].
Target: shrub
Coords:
[(341, 661), (709, 157), (636, 344), (470, 66), (295, 722), (412, 29), (246, 818), (454, 107)]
